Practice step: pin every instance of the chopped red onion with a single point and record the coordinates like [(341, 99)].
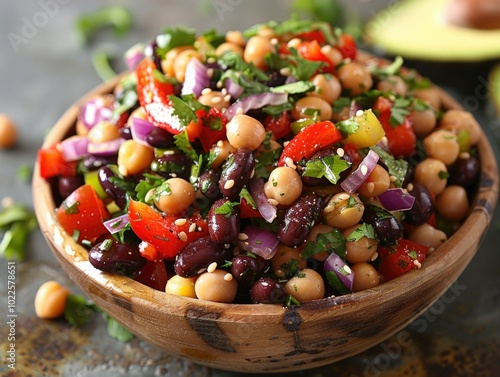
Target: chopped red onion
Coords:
[(106, 148), (75, 148), (396, 199), (196, 78), (354, 108), (358, 176), (266, 209), (93, 112), (261, 242), (134, 55), (342, 270), (116, 224), (139, 129), (255, 101), (234, 89)]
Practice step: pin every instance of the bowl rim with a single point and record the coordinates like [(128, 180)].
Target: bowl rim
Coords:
[(68, 250)]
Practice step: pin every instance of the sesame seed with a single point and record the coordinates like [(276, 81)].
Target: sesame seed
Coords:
[(340, 152), (228, 277), (417, 263), (344, 196), (279, 273), (229, 184), (201, 270), (272, 201), (192, 228), (374, 256), (210, 72), (206, 91), (409, 187), (212, 267), (464, 155), (180, 222), (347, 269), (220, 143), (392, 178), (359, 113), (219, 84), (173, 175), (274, 41), (285, 144), (211, 60), (252, 173), (289, 163), (364, 169), (227, 97), (243, 237), (183, 236), (370, 186), (223, 91), (239, 111), (199, 229), (216, 100)]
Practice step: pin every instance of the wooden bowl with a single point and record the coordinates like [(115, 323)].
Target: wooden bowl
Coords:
[(268, 338)]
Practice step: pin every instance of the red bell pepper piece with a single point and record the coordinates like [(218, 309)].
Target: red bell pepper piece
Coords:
[(398, 259), (52, 164)]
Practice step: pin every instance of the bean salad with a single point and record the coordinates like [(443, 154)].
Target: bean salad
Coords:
[(275, 165)]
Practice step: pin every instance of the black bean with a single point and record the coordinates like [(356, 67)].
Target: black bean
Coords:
[(465, 172), (125, 133), (66, 185), (386, 226), (91, 163), (267, 291), (422, 208), (299, 219), (198, 255), (172, 165), (160, 138), (106, 178), (223, 221), (209, 183), (112, 256), (236, 173), (245, 269)]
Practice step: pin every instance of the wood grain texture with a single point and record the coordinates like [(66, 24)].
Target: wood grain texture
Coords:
[(269, 338)]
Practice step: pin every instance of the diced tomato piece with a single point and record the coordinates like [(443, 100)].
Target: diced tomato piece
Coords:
[(82, 214), (210, 136), (247, 211), (153, 274), (313, 35), (347, 46), (161, 231), (311, 50), (353, 152), (310, 140), (52, 164), (279, 126), (398, 259)]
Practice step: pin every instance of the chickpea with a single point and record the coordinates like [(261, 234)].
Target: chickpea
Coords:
[(430, 96), (134, 157), (365, 276), (221, 150), (361, 250), (137, 113), (394, 84), (235, 37), (256, 49), (50, 300), (457, 120), (284, 255), (333, 54), (214, 98), (377, 182), (180, 286), (427, 235), (177, 198), (243, 131), (227, 47), (343, 210), (355, 77), (313, 235), (306, 286), (305, 105), (218, 286), (432, 173), (102, 132), (453, 204), (424, 121), (8, 132), (181, 61), (442, 145), (327, 87), (284, 185), (167, 64)]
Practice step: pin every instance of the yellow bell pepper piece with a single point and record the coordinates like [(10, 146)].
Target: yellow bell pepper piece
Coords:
[(369, 132)]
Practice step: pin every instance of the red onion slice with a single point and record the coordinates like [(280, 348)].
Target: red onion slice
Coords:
[(255, 101), (396, 199), (261, 242), (342, 270), (266, 209), (134, 55), (116, 224), (93, 112), (234, 89), (358, 176), (75, 148), (139, 129), (196, 78)]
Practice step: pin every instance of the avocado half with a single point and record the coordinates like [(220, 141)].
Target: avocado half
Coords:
[(416, 29)]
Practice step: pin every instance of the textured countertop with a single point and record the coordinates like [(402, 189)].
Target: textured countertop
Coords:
[(43, 71)]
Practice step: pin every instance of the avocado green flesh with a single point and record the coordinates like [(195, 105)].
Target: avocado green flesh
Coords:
[(494, 86), (416, 29)]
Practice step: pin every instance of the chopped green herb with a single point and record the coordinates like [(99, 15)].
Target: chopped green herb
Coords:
[(72, 209), (181, 140), (102, 65), (292, 301), (347, 127), (294, 88), (388, 70), (329, 167), (399, 111), (24, 173), (16, 224), (336, 283), (363, 230), (145, 185), (78, 311), (332, 241), (174, 37), (245, 194), (443, 174), (226, 209), (183, 111), (397, 167), (117, 331)]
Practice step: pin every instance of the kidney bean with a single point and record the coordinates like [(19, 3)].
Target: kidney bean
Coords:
[(172, 165), (209, 183), (223, 227), (160, 138), (387, 227), (91, 163), (299, 219), (198, 255), (125, 133), (66, 185), (112, 256), (464, 172), (422, 208), (105, 176), (236, 172), (245, 269), (267, 291)]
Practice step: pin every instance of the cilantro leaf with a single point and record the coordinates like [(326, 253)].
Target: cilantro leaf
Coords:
[(185, 113), (363, 230), (174, 37), (341, 103), (78, 311), (117, 331), (347, 126), (388, 70), (330, 242), (149, 182), (397, 167), (399, 111), (329, 167), (245, 194), (181, 140), (226, 209)]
